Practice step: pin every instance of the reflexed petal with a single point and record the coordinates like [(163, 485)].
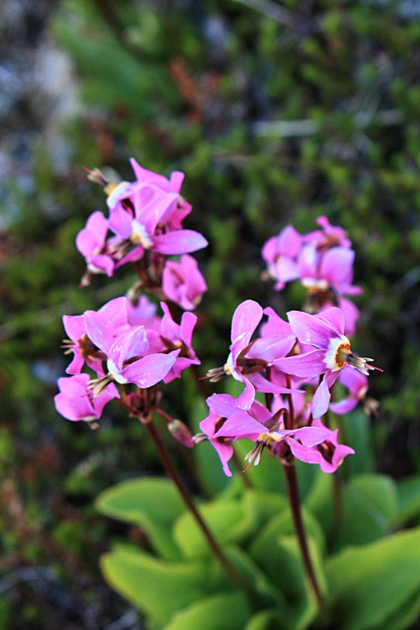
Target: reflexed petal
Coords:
[(337, 265), (179, 242), (150, 370), (99, 330), (344, 406), (311, 329), (304, 365), (241, 424), (333, 317), (129, 345), (321, 400), (245, 319)]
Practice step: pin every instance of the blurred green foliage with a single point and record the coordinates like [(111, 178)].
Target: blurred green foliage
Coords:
[(277, 113)]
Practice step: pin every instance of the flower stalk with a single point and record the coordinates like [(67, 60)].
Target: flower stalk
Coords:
[(176, 478)]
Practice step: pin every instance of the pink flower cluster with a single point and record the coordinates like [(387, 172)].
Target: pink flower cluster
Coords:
[(290, 366), (306, 354), (323, 262), (123, 345), (145, 219)]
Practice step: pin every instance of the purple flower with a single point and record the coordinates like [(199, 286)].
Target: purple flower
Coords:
[(91, 243), (183, 283), (227, 423), (126, 362), (332, 352), (281, 253), (75, 401), (178, 338)]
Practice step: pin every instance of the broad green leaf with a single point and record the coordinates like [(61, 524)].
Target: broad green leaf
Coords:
[(228, 521), (218, 612), (375, 583), (263, 505), (151, 503), (408, 499), (369, 507), (159, 588), (365, 508), (277, 550), (264, 592), (404, 617), (356, 432), (266, 620)]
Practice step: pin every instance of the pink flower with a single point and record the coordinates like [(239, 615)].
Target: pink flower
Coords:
[(78, 341), (183, 283), (357, 386), (146, 221), (324, 332), (173, 337), (281, 253), (125, 354), (313, 444), (75, 401), (91, 243)]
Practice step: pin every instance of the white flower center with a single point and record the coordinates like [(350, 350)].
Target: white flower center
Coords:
[(139, 235), (115, 373), (337, 353)]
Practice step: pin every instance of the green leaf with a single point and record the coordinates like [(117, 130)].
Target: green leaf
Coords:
[(375, 583), (357, 431), (408, 499), (151, 503), (277, 550), (159, 588), (370, 506), (218, 612), (228, 521), (266, 620)]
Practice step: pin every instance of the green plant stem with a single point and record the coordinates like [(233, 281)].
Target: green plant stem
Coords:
[(212, 542), (294, 499)]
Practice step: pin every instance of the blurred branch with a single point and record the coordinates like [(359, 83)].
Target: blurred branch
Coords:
[(270, 10), (308, 127)]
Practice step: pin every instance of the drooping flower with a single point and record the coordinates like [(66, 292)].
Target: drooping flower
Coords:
[(227, 423), (126, 354), (76, 402), (183, 283), (325, 333)]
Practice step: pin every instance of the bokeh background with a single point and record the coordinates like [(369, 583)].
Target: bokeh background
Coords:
[(277, 112)]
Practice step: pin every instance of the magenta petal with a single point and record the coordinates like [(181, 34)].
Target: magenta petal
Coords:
[(336, 265), (311, 436), (334, 317), (129, 345), (310, 329), (99, 330), (304, 454), (321, 400), (223, 405), (286, 269), (245, 319), (225, 452), (239, 425), (305, 365), (179, 242), (245, 400), (271, 348), (344, 406), (150, 370)]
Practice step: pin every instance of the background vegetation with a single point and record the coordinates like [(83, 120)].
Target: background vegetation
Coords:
[(277, 112)]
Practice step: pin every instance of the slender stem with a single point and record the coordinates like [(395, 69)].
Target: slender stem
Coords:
[(173, 473), (293, 491)]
